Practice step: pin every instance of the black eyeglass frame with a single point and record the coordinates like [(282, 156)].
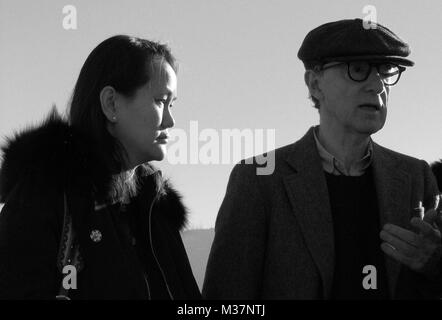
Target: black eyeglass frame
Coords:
[(371, 64)]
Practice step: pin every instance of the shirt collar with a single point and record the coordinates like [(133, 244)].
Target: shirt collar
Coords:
[(333, 165)]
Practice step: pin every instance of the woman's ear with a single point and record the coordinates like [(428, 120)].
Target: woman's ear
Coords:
[(311, 79), (108, 104)]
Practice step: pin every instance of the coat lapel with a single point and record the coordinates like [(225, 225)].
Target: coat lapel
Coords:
[(393, 189), (308, 194)]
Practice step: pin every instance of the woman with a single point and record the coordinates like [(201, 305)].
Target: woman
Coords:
[(85, 215)]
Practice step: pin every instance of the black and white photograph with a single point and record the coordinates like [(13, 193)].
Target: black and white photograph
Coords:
[(203, 151)]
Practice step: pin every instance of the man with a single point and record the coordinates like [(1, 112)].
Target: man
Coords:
[(336, 218), (437, 171)]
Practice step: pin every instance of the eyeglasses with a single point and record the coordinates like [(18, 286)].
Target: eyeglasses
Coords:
[(359, 71)]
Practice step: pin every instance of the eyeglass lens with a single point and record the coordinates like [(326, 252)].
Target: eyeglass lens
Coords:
[(360, 71)]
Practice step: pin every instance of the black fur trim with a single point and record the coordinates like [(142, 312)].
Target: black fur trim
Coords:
[(170, 202), (55, 148), (33, 148)]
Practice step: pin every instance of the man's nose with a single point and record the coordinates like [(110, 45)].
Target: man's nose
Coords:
[(374, 82)]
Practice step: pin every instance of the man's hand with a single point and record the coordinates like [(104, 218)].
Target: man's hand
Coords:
[(421, 251)]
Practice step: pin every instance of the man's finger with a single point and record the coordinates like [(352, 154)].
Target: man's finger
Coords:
[(430, 216), (424, 227), (400, 245), (403, 234), (395, 254)]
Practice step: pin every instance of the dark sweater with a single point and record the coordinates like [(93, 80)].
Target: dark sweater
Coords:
[(357, 244)]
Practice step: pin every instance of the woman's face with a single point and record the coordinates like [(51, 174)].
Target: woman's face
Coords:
[(143, 120)]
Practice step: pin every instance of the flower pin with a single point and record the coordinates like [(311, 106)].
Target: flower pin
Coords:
[(96, 235)]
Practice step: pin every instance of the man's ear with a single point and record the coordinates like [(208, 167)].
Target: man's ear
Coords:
[(311, 79), (108, 105)]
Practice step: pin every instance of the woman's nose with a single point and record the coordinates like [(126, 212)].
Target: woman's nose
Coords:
[(168, 120)]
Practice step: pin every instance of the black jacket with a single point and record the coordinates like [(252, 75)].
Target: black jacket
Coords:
[(437, 170), (52, 169)]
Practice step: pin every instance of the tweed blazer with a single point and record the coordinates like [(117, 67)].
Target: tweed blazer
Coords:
[(274, 235)]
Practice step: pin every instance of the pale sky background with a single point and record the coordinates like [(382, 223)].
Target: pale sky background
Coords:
[(238, 69)]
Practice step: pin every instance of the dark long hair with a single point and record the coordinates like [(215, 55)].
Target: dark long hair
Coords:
[(124, 63)]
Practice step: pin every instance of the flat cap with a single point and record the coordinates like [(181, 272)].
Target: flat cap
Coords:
[(347, 40)]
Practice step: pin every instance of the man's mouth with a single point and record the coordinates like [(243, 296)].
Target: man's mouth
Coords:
[(370, 106)]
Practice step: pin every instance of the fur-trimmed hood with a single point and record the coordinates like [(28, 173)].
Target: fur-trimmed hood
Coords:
[(437, 170), (61, 152)]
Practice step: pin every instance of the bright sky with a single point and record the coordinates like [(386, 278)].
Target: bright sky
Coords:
[(238, 69)]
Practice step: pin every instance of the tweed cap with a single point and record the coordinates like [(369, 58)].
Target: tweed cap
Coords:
[(348, 40)]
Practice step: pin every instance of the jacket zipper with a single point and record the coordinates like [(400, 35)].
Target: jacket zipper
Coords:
[(151, 246), (146, 281)]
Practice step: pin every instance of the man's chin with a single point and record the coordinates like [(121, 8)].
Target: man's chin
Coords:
[(370, 129), (370, 126)]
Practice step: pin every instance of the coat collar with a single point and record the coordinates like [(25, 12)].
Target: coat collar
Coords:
[(308, 194)]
